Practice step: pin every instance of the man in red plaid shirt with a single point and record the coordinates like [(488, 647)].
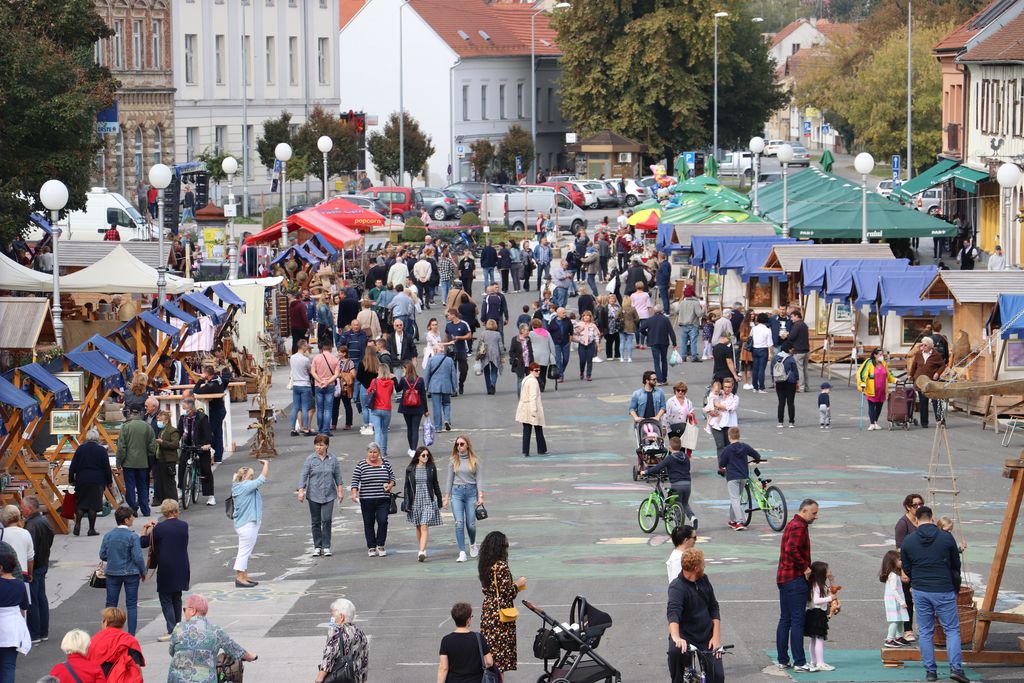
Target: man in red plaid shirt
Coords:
[(794, 568)]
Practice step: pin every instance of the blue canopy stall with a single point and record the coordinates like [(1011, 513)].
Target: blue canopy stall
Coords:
[(174, 311), (225, 294), (204, 306), (324, 244), (109, 349), (310, 247), (103, 378)]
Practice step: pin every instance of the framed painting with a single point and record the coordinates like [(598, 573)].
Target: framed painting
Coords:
[(714, 284), (914, 329), (1015, 354), (873, 327), (75, 381), (65, 422), (844, 313), (759, 293)]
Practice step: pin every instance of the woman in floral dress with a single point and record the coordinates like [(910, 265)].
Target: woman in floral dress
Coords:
[(500, 592), (195, 643)]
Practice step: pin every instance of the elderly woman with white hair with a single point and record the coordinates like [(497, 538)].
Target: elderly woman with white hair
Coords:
[(346, 640), (90, 474), (77, 668), (245, 491), (195, 643)]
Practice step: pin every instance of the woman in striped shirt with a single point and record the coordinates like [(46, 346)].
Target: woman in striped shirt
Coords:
[(372, 482)]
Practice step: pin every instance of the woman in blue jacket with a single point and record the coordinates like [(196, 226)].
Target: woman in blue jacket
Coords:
[(245, 491), (442, 382)]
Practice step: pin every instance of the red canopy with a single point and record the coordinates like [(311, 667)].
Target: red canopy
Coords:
[(348, 214), (307, 223)]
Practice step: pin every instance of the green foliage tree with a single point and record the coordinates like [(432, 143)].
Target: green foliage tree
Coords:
[(344, 155), (383, 148), (482, 157), (275, 131), (213, 158), (516, 142), (50, 93)]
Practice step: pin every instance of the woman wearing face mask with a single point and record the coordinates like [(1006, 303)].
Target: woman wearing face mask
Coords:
[(465, 490), (345, 638), (167, 442)]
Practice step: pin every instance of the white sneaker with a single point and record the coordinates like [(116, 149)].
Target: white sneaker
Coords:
[(381, 552), (474, 550), (778, 426), (629, 360), (316, 552), (826, 667), (211, 501), (366, 430), (622, 360), (748, 387), (327, 552), (462, 556), (412, 453), (598, 360), (372, 552)]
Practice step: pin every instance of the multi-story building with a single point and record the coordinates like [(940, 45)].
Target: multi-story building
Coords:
[(466, 76), (138, 55), (240, 63)]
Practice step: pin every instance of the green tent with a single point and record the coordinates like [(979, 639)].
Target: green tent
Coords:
[(711, 167), (648, 204)]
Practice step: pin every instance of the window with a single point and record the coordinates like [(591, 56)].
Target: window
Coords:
[(218, 58), (796, 48), (158, 145), (501, 101), (247, 58), (323, 57), (465, 103), (483, 102), (219, 134), (138, 46), (156, 60), (138, 152), (271, 61), (97, 53), (190, 58), (519, 101), (551, 100), (118, 43), (293, 60), (191, 142)]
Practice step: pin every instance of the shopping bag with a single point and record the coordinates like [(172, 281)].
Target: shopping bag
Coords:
[(428, 433), (478, 368), (675, 358), (68, 505)]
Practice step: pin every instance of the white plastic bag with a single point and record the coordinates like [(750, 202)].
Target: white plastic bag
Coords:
[(478, 368), (675, 359)]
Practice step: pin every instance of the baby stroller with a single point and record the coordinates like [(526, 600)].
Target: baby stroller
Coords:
[(650, 446), (902, 402), (570, 647)]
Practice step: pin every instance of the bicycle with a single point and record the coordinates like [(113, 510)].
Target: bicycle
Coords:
[(190, 479), (696, 671), (660, 505), (768, 499)]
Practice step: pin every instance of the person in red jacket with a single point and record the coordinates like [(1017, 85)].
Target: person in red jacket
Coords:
[(77, 669), (115, 650), (298, 321)]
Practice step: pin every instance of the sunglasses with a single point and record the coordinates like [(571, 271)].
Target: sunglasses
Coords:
[(461, 443), (680, 391)]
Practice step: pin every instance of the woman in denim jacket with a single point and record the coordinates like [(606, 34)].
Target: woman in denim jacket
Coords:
[(122, 552)]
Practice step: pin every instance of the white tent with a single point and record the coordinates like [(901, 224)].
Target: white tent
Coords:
[(17, 278), (120, 272)]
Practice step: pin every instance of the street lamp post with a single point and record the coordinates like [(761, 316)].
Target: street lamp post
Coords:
[(283, 152), (714, 144), (756, 147), (230, 166), (533, 84), (864, 164), (401, 99), (1007, 176), (160, 177), (325, 144), (785, 155), (54, 196)]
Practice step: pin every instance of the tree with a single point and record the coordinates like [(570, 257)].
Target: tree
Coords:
[(344, 155), (517, 142), (50, 93), (275, 131), (383, 148), (482, 157), (214, 158)]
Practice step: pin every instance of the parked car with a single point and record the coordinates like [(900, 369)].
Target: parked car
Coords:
[(737, 164), (615, 188), (602, 195), (466, 202), (633, 192), (520, 210), (771, 148), (801, 157), (440, 204), (570, 190), (652, 184), (398, 200), (368, 203), (561, 178), (477, 187), (929, 201), (884, 188)]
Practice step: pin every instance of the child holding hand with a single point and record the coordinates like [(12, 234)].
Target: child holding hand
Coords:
[(895, 603)]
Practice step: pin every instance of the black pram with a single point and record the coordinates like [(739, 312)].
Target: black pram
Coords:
[(570, 648)]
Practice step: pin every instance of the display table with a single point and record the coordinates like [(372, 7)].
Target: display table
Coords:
[(172, 404)]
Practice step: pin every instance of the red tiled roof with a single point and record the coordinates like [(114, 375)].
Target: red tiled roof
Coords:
[(349, 8), (507, 27), (1005, 44), (834, 31), (803, 62), (787, 30), (957, 40)]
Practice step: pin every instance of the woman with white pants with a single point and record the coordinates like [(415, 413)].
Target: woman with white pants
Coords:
[(245, 491)]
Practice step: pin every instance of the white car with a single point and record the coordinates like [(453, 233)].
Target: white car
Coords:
[(884, 188), (633, 192), (589, 193), (771, 148)]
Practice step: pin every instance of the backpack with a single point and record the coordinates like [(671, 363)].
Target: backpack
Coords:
[(411, 396), (779, 372)]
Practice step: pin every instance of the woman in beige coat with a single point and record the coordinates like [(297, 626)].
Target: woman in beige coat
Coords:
[(531, 412)]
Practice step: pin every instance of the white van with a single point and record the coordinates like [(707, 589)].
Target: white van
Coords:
[(520, 209), (102, 209)]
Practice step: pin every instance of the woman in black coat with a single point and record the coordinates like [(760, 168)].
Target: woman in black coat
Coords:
[(423, 502), (170, 545), (517, 359), (90, 474), (413, 414)]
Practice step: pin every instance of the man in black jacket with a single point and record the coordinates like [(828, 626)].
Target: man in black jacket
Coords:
[(659, 331), (42, 540), (488, 261), (213, 385), (348, 309), (931, 560), (400, 346), (799, 336), (694, 620), (495, 307), (194, 428), (560, 329)]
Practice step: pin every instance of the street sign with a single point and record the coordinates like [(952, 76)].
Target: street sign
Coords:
[(107, 120), (570, 138), (519, 165), (460, 151), (895, 163), (807, 129), (826, 128), (230, 211)]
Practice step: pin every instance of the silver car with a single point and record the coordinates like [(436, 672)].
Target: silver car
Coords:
[(801, 157)]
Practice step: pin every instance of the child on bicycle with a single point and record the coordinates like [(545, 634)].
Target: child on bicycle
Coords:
[(733, 465), (677, 464), (895, 602), (816, 616)]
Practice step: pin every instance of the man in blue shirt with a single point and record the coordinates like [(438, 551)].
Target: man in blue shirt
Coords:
[(560, 329), (648, 402), (403, 308), (561, 277), (355, 339), (489, 262), (459, 332), (542, 256)]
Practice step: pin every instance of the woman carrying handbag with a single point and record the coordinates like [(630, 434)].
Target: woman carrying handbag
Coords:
[(498, 614)]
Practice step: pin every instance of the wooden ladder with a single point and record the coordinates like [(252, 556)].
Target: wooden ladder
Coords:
[(942, 479)]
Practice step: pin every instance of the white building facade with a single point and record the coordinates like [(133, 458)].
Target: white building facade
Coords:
[(466, 77), (240, 63)]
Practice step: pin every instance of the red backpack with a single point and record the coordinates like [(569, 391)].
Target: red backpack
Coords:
[(411, 396)]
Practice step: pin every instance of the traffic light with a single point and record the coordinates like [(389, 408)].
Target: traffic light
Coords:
[(202, 190), (360, 123)]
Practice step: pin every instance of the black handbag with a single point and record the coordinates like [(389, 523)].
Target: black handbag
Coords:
[(545, 644), (491, 675), (481, 512), (344, 670), (99, 577), (393, 510), (676, 428), (554, 373), (229, 669)]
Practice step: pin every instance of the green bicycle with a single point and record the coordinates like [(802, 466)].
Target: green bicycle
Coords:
[(660, 504), (768, 499)]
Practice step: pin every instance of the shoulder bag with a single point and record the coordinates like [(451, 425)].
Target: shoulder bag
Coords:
[(99, 576), (151, 558), (344, 667), (505, 614), (481, 512), (67, 665), (490, 675), (229, 669), (229, 507), (553, 372)]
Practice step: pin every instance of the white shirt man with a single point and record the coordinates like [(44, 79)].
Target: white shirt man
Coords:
[(762, 336), (997, 261), (397, 273)]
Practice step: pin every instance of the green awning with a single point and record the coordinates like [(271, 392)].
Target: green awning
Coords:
[(929, 178), (967, 179)]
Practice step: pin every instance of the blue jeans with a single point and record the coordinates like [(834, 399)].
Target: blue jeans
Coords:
[(8, 661), (663, 291), (131, 596), (39, 611), (592, 283), (790, 631), (559, 296), (490, 376), (626, 344), (689, 338), (489, 276), (463, 502), (324, 408), (187, 213), (543, 270), (302, 400), (562, 356), (760, 363), (660, 354), (136, 488), (381, 421), (441, 405), (446, 286), (586, 352), (363, 399), (928, 606)]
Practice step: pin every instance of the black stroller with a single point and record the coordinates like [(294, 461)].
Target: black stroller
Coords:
[(570, 648), (650, 446)]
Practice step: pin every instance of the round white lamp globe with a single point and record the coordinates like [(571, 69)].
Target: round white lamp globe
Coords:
[(1008, 175), (785, 153), (325, 144), (283, 151), (54, 195), (229, 165), (864, 163), (756, 145)]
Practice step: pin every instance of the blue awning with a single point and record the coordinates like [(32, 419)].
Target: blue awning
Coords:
[(293, 251), (814, 269), (324, 244), (311, 247), (226, 295), (204, 306), (191, 322), (111, 350), (43, 379), (95, 363), (160, 324), (14, 397), (754, 257), (731, 255), (901, 293), (665, 239), (1010, 306), (709, 250), (41, 221)]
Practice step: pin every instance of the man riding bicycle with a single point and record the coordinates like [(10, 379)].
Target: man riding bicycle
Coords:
[(694, 621), (196, 437)]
